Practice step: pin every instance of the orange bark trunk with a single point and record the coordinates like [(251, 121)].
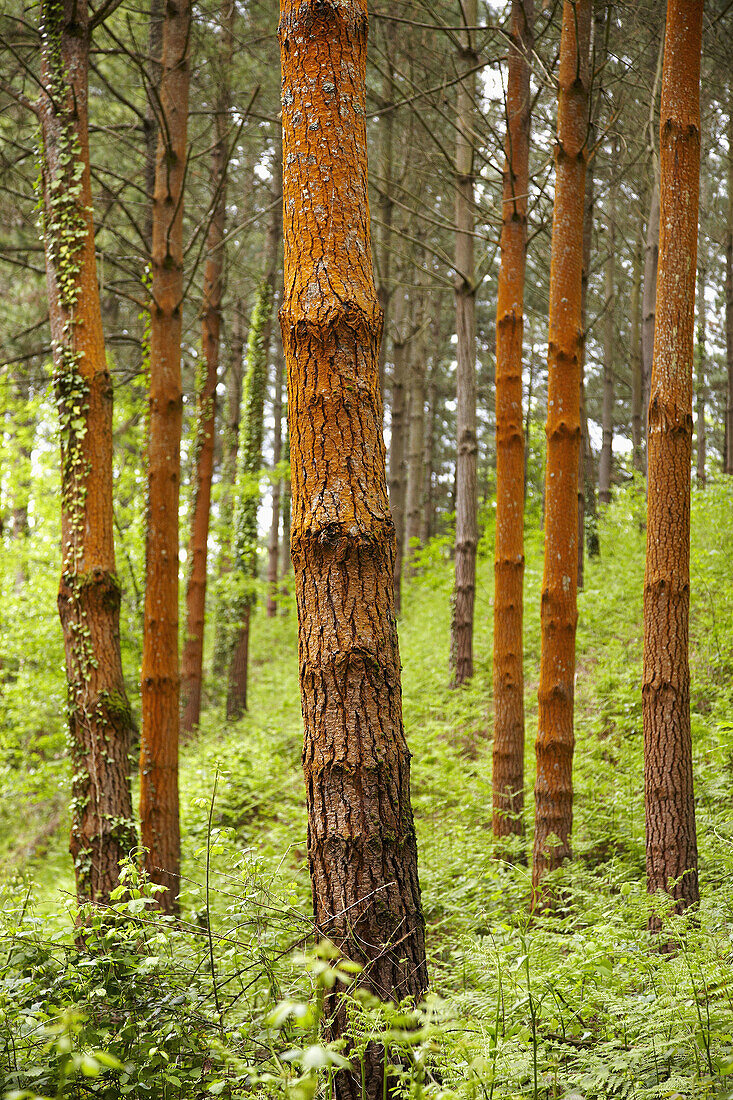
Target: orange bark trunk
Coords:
[(555, 742), (100, 722), (361, 838), (671, 842), (508, 751), (159, 823), (193, 647)]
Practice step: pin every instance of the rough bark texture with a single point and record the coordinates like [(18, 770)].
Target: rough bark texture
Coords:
[(361, 837), (461, 652), (198, 543), (100, 723), (508, 747), (651, 255), (159, 821), (555, 740), (700, 435), (671, 844), (605, 463)]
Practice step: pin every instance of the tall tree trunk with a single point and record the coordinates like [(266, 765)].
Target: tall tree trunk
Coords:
[(637, 432), (428, 508), (398, 431), (555, 740), (671, 843), (416, 446), (230, 447), (461, 652), (100, 722), (247, 501), (508, 749), (159, 821), (285, 548), (361, 837), (273, 546), (198, 544), (700, 437), (605, 464), (385, 203), (651, 255), (152, 110)]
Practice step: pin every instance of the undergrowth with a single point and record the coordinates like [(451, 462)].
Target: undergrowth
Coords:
[(578, 1003)]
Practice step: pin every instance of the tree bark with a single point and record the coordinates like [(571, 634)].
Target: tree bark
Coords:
[(361, 838), (508, 747), (700, 435), (100, 721), (671, 844), (198, 544), (605, 464), (651, 257), (461, 651), (398, 426), (555, 741), (159, 819)]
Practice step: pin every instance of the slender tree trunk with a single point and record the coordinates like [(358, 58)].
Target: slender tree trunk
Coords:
[(398, 431), (555, 740), (651, 256), (247, 501), (508, 749), (605, 465), (159, 821), (465, 294), (700, 437), (416, 447), (428, 509), (671, 844), (273, 546), (637, 432), (152, 110), (100, 722), (729, 293), (361, 838), (193, 647)]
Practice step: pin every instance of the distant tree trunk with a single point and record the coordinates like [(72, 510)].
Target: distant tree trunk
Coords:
[(24, 426), (651, 257), (230, 447), (247, 502), (700, 438), (671, 843), (159, 821), (193, 646), (555, 740), (508, 748), (361, 838), (273, 546), (428, 512), (461, 653), (637, 431), (605, 464), (100, 722), (398, 432), (415, 449)]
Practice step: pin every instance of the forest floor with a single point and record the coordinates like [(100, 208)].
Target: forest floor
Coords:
[(575, 1004)]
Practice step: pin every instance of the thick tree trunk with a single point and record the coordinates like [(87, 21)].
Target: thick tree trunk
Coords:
[(198, 544), (461, 651), (361, 837), (508, 748), (273, 546), (555, 741), (159, 821), (100, 722), (385, 203), (651, 254), (605, 464), (637, 431), (671, 844)]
